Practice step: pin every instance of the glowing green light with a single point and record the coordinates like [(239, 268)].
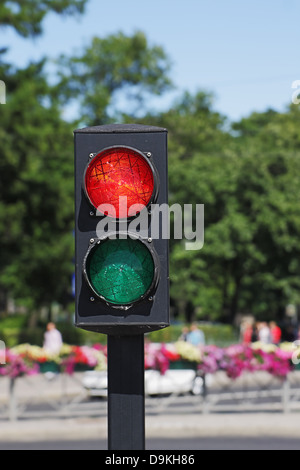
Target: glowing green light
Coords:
[(120, 271)]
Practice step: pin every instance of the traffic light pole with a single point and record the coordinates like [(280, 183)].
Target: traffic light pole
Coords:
[(126, 393)]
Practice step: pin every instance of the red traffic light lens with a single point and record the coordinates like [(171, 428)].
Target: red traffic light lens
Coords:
[(120, 182)]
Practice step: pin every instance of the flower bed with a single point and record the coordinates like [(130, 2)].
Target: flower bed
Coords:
[(16, 366), (234, 360), (26, 359)]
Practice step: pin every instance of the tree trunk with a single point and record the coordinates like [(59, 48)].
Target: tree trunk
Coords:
[(235, 300)]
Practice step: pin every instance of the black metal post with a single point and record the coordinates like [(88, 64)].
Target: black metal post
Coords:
[(126, 393)]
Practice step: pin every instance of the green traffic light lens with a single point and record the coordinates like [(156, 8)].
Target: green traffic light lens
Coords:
[(120, 271)]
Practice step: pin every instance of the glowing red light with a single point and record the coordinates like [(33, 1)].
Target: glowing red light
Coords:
[(119, 182)]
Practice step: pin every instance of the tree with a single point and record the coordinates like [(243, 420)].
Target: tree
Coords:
[(26, 16), (197, 167), (248, 181), (108, 71), (36, 168), (270, 191), (36, 192)]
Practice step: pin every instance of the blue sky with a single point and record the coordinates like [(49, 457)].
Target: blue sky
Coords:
[(245, 52)]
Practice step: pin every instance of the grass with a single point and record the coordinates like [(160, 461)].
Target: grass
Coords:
[(14, 330)]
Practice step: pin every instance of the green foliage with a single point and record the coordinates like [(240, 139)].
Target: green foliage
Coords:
[(15, 330), (10, 328), (26, 16), (246, 175), (36, 160), (115, 67), (248, 181), (36, 192)]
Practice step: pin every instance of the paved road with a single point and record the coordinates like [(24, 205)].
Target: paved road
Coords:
[(191, 444), (192, 431), (180, 426)]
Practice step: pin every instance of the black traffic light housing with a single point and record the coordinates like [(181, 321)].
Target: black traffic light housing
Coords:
[(151, 311)]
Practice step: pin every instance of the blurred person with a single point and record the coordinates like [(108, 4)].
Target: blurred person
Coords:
[(247, 332), (196, 336), (264, 333), (254, 336), (184, 334), (289, 334), (52, 339), (275, 333)]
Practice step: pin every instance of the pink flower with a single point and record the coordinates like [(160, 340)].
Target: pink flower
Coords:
[(16, 366)]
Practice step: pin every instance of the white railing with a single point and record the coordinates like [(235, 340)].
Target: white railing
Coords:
[(66, 395)]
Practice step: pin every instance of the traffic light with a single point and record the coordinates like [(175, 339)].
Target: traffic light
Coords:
[(122, 271)]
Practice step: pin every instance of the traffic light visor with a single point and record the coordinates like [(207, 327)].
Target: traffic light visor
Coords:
[(121, 271), (120, 181)]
